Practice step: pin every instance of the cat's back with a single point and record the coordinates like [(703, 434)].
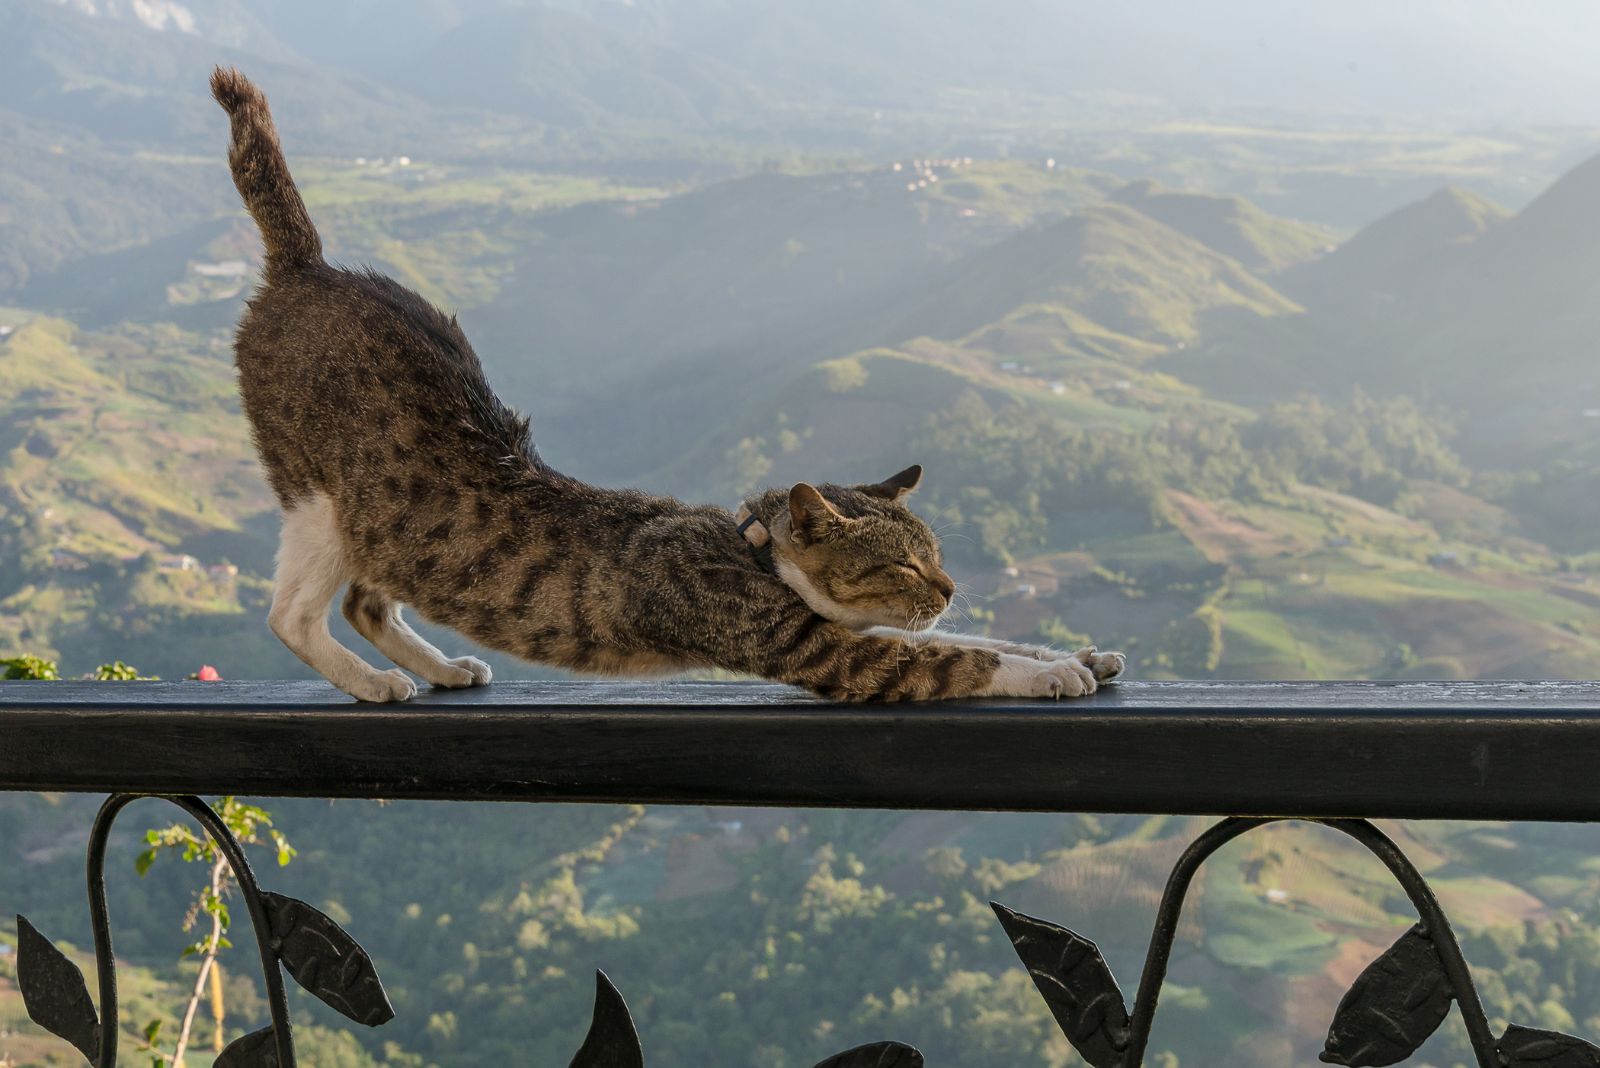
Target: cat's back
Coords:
[(323, 322), (336, 365)]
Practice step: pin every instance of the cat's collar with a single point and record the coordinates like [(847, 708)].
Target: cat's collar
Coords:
[(759, 538)]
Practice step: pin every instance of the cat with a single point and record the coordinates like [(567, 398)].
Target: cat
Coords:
[(404, 479)]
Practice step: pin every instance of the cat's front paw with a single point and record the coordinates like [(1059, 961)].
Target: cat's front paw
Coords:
[(1024, 676), (384, 686), (1106, 666)]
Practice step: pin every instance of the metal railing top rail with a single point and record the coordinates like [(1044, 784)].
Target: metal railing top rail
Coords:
[(1470, 750)]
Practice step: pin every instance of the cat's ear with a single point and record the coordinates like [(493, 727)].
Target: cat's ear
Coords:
[(811, 517), (897, 485)]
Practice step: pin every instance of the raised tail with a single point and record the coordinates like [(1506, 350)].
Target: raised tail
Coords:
[(262, 176)]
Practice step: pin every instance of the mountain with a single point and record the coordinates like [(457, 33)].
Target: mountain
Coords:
[(1385, 261), (65, 195), (1112, 264), (1498, 61), (146, 89), (1231, 226), (1439, 300), (563, 69)]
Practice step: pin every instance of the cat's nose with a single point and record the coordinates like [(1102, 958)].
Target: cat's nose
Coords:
[(944, 584)]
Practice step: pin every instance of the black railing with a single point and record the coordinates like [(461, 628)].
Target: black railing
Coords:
[(1337, 754)]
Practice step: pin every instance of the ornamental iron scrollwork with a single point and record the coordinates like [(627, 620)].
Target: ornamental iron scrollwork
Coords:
[(1394, 1005), (1391, 1009), (290, 935), (318, 954)]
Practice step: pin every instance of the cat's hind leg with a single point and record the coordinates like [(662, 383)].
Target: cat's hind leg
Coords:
[(376, 617), (311, 567)]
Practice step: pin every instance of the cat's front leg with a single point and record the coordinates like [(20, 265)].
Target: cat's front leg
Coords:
[(1102, 666), (846, 665)]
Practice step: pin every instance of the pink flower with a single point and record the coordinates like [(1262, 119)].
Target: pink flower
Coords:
[(208, 674)]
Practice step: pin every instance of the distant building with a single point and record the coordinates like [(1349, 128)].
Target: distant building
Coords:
[(1445, 559), (223, 570), (182, 562), (1026, 589)]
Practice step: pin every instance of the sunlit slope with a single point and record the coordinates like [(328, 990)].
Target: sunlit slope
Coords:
[(1109, 263), (1231, 226), (134, 440)]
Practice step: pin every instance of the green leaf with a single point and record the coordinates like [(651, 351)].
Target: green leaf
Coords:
[(143, 861)]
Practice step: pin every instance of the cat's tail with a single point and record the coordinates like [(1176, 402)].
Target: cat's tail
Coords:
[(262, 176)]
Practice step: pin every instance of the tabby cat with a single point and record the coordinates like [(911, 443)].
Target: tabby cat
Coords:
[(404, 478)]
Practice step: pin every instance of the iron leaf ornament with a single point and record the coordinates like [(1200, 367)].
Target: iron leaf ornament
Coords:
[(612, 1041), (876, 1055), (258, 1049), (1529, 1047), (1394, 1005), (326, 961), (54, 993), (1076, 984)]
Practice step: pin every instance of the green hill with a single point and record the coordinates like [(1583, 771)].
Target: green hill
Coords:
[(1386, 260), (1109, 263), (1230, 225)]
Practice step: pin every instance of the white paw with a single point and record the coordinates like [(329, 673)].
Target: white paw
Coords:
[(1106, 666), (1023, 676), (462, 671), (381, 686)]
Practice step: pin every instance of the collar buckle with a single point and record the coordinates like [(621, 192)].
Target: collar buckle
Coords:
[(759, 538)]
